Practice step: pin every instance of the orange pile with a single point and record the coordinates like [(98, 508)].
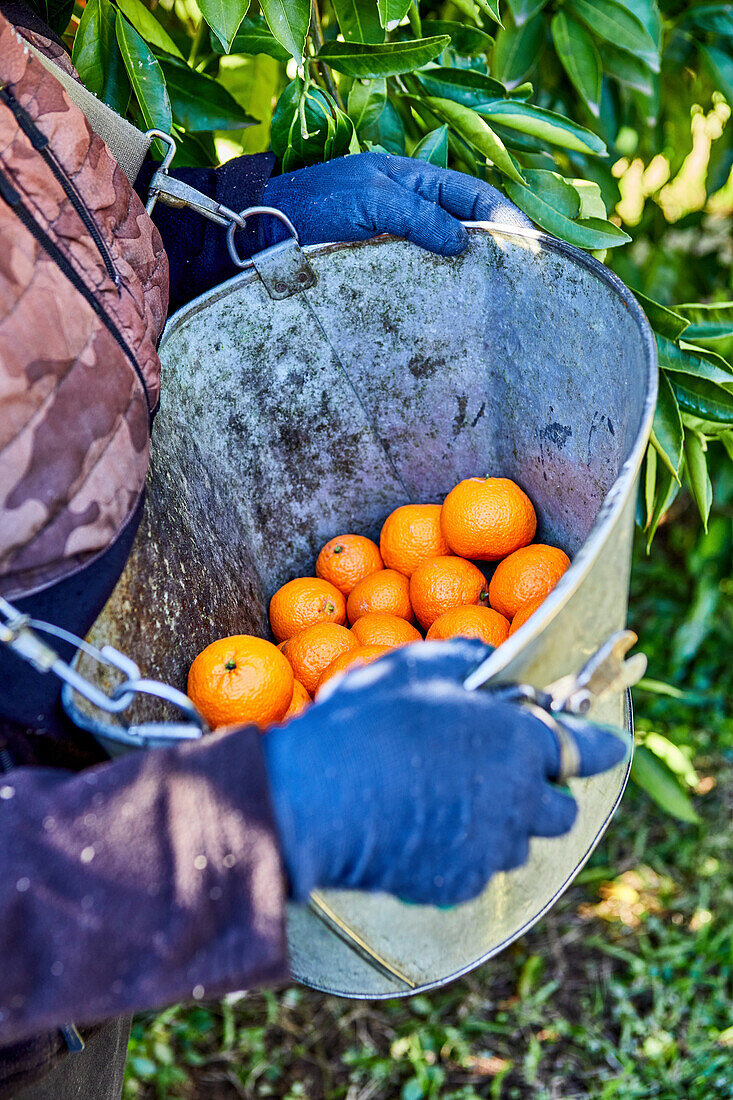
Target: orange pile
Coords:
[(424, 569)]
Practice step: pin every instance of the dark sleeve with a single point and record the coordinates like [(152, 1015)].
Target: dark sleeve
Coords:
[(197, 248), (140, 882)]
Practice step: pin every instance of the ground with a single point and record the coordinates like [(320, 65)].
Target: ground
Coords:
[(623, 991)]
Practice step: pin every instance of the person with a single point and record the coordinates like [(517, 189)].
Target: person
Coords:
[(162, 876)]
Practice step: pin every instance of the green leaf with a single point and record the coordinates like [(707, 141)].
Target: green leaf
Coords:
[(329, 129), (201, 104), (542, 124), (254, 37), (697, 476), (715, 18), (466, 41), (614, 23), (465, 86), (392, 12), (686, 359), (665, 491), (366, 102), (145, 76), (650, 483), (579, 58), (359, 20), (720, 65), (537, 199), (664, 321), (672, 754), (667, 433), (475, 131), (387, 131), (628, 70), (591, 199), (655, 777), (491, 7), (224, 17), (522, 10), (702, 398), (97, 56), (433, 148), (289, 21), (711, 326), (381, 59), (148, 26), (516, 50)]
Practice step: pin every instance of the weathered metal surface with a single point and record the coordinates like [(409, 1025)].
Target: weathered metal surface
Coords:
[(395, 375)]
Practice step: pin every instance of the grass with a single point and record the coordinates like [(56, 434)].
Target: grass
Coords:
[(624, 991)]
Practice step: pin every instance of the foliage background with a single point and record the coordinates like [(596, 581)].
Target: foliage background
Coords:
[(607, 121)]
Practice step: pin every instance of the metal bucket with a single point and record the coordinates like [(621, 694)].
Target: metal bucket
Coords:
[(398, 373)]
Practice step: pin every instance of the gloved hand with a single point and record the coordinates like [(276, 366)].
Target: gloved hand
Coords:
[(359, 196), (399, 779)]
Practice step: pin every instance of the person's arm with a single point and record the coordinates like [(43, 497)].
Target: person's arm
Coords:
[(140, 882)]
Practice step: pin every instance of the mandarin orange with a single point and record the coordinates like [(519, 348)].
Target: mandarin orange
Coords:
[(378, 628), (410, 535), (386, 591), (298, 703), (486, 518), (529, 572), (241, 679), (470, 622), (362, 655), (524, 612), (313, 650), (347, 559), (303, 602), (442, 583)]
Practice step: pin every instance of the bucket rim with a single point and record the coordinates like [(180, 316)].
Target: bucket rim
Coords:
[(617, 496)]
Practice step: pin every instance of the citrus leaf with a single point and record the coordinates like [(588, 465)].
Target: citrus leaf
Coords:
[(697, 476), (289, 21), (628, 70), (254, 37), (381, 59), (650, 482), (148, 26), (664, 321), (224, 17), (702, 398), (366, 102), (475, 131), (516, 50), (465, 86), (720, 64), (546, 125), (537, 199), (145, 76), (672, 755), (654, 776), (359, 20), (579, 58), (387, 131), (665, 491), (591, 199), (711, 326), (97, 57), (614, 23), (433, 148), (199, 103), (491, 7), (715, 18), (392, 12), (522, 10), (466, 41), (667, 432), (684, 358)]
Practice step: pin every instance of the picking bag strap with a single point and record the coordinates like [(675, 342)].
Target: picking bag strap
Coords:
[(128, 145)]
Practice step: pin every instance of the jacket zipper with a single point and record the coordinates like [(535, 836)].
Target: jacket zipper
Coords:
[(14, 201), (40, 143)]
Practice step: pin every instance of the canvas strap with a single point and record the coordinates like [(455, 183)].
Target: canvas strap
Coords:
[(128, 145)]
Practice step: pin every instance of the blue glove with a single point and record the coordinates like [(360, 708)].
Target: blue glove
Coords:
[(357, 197), (399, 779)]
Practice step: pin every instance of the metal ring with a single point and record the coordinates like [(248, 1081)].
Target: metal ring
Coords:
[(165, 692), (569, 766), (243, 215)]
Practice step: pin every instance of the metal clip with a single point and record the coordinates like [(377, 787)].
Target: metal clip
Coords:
[(283, 267), (18, 633)]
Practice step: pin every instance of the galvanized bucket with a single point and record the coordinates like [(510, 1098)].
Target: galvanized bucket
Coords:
[(285, 422)]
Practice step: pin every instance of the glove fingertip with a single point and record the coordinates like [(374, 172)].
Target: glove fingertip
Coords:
[(600, 748)]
